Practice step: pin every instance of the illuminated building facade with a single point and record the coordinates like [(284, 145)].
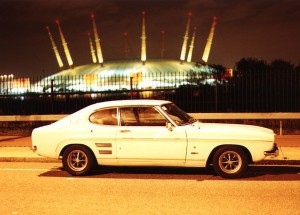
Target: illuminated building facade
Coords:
[(115, 75), (11, 85)]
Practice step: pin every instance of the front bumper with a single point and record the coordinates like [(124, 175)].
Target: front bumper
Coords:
[(272, 153)]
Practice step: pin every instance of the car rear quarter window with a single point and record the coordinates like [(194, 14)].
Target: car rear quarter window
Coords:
[(104, 117)]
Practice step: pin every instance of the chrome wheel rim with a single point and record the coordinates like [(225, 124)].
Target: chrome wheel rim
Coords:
[(77, 160), (230, 162)]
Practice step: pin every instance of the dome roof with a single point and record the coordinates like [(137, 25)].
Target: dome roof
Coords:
[(126, 67), (116, 75)]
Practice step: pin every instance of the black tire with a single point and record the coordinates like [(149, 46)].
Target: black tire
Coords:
[(230, 162), (78, 160)]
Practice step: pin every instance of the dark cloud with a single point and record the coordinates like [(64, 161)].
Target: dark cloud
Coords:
[(266, 29)]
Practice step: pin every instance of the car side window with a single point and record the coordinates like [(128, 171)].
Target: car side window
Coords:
[(141, 116), (104, 117)]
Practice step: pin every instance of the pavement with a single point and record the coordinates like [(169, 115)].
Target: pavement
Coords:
[(18, 149)]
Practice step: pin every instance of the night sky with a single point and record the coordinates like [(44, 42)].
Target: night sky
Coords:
[(263, 29)]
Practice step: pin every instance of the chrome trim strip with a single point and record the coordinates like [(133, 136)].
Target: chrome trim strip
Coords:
[(105, 152), (151, 159), (103, 144)]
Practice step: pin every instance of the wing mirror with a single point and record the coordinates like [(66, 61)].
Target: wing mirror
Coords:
[(169, 126)]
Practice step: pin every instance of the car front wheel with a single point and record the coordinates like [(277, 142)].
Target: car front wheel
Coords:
[(78, 160), (230, 162)]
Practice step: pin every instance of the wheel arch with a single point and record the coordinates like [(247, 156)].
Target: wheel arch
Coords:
[(210, 157), (76, 144)]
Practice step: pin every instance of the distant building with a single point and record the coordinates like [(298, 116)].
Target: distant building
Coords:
[(118, 75)]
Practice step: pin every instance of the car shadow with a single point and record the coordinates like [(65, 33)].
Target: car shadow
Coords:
[(254, 173)]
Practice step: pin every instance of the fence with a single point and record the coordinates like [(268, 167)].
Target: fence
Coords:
[(256, 91), (281, 123)]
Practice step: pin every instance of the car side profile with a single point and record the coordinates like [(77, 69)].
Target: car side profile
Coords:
[(150, 133)]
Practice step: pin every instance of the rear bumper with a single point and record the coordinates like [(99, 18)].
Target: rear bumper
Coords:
[(34, 148), (274, 152)]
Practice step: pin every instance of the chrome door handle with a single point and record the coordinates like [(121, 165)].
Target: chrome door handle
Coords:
[(125, 131)]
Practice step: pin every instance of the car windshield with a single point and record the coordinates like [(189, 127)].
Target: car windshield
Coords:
[(177, 115)]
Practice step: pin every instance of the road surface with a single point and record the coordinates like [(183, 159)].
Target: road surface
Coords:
[(44, 188)]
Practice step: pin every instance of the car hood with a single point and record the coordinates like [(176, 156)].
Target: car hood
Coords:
[(230, 131)]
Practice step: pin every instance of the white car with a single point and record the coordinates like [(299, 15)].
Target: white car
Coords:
[(150, 133)]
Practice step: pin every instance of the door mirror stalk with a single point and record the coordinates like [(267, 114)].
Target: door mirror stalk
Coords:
[(169, 126)]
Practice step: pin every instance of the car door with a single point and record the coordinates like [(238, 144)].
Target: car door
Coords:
[(104, 125), (143, 139)]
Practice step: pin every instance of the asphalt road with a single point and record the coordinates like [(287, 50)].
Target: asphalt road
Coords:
[(43, 188)]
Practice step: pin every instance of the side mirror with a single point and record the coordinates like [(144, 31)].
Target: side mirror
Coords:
[(169, 126)]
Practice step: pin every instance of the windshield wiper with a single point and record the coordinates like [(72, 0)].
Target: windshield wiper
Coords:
[(190, 121)]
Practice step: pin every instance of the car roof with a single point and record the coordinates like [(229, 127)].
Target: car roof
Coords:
[(124, 103), (116, 103), (120, 103), (82, 114)]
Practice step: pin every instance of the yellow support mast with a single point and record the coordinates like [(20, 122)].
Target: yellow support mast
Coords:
[(189, 58), (93, 51), (185, 38), (58, 58), (126, 45), (64, 44), (143, 38), (97, 41), (209, 41), (162, 43)]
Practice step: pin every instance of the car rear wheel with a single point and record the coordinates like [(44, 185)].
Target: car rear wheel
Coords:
[(230, 162), (78, 160)]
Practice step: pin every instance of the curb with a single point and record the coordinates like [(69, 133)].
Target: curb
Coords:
[(29, 160), (277, 163)]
